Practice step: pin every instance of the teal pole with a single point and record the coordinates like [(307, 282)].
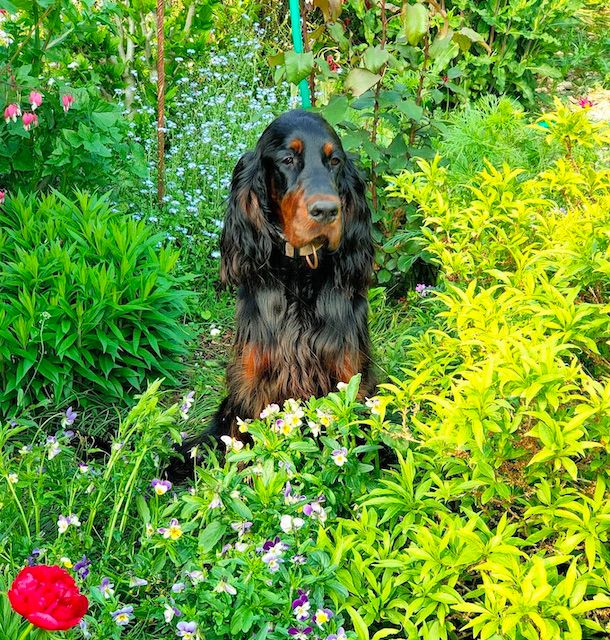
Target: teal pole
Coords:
[(297, 40)]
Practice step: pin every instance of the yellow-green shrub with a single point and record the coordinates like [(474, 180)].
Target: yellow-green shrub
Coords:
[(496, 522)]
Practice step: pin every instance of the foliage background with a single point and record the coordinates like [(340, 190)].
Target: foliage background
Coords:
[(469, 498)]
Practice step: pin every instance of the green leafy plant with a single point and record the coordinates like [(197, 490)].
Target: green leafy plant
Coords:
[(55, 131), (88, 302)]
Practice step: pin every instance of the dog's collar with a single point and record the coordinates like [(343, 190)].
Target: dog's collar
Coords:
[(293, 252)]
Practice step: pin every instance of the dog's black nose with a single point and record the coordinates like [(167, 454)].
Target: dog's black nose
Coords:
[(323, 210)]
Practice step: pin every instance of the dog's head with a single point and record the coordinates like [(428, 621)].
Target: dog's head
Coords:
[(298, 186)]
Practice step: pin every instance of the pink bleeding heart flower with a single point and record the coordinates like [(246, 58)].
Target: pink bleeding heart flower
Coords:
[(29, 120), (35, 99), (2, 196), (66, 101), (12, 112)]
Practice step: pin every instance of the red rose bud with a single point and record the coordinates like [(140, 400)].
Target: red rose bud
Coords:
[(48, 597)]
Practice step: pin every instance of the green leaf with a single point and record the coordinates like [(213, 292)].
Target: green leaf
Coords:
[(375, 57), (336, 110), (8, 6), (383, 276), (443, 50), (415, 22), (211, 535), (105, 119), (337, 33), (142, 509), (298, 65), (352, 388), (360, 80), (411, 109), (240, 508), (360, 626)]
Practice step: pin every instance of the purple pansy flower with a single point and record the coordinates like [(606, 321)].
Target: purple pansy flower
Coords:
[(187, 630), (339, 456), (69, 417), (33, 556), (241, 527), (315, 510), (340, 635), (107, 588), (300, 634), (122, 617), (289, 497), (301, 606), (423, 290), (187, 403), (322, 616), (274, 546), (82, 567), (161, 486)]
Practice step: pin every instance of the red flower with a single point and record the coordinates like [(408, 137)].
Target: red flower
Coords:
[(333, 66), (48, 597), (585, 103)]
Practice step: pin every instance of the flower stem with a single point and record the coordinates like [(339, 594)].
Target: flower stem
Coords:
[(26, 631)]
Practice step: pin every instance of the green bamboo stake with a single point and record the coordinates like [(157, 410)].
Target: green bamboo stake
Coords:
[(297, 40)]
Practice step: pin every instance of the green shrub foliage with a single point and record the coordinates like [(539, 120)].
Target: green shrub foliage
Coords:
[(88, 303), (469, 499)]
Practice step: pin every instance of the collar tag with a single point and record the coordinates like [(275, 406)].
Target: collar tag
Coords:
[(304, 252)]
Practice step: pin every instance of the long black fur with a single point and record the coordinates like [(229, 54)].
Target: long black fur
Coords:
[(305, 322)]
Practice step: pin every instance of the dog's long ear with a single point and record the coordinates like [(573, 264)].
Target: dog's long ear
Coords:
[(355, 264), (245, 243)]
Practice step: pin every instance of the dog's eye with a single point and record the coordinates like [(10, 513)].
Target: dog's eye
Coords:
[(334, 161), (288, 160)]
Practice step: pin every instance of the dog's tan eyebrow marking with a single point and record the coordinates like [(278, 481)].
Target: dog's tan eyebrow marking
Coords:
[(296, 145), (328, 149)]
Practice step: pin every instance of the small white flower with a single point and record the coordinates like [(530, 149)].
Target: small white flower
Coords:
[(315, 428), (294, 406), (339, 456), (270, 410), (374, 404), (325, 418), (168, 613), (13, 478), (225, 587), (216, 502), (53, 450), (341, 386), (232, 444), (242, 425), (63, 522), (288, 524), (214, 332), (196, 576)]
